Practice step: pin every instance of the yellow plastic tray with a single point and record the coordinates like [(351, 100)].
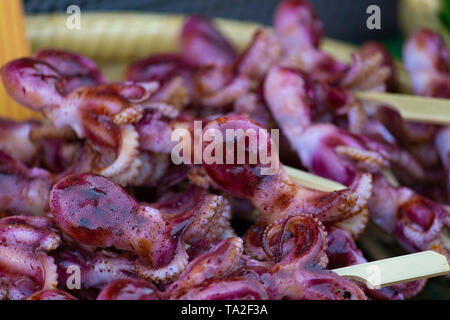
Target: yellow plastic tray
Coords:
[(115, 39)]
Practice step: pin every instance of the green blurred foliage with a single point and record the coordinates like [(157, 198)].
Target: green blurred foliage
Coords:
[(445, 13)]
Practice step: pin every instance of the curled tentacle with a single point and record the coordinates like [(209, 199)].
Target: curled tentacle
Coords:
[(24, 190), (175, 92), (253, 242), (127, 151), (97, 268), (218, 262), (130, 175), (367, 74), (368, 160), (145, 169), (25, 263), (356, 223), (300, 243), (211, 220), (168, 272), (320, 145), (89, 111), (282, 237), (209, 276), (371, 48), (95, 211), (414, 220)]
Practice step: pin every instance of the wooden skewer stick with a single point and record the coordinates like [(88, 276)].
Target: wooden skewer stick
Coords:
[(413, 108), (386, 272), (313, 181), (316, 182), (390, 177)]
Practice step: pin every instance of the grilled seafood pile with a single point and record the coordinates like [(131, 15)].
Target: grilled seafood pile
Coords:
[(93, 205)]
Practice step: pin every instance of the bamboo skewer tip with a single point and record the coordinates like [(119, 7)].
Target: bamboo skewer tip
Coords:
[(411, 107), (387, 272)]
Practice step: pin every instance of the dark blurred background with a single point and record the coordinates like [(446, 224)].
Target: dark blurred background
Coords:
[(343, 19)]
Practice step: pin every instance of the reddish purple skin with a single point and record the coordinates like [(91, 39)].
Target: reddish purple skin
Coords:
[(341, 249), (78, 70), (202, 44), (33, 83), (420, 211), (337, 97), (152, 129), (292, 246), (228, 289), (25, 240), (159, 67), (240, 180), (93, 209), (96, 211), (321, 166), (125, 91)]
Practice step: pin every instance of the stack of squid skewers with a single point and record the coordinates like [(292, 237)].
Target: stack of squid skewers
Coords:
[(93, 185)]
